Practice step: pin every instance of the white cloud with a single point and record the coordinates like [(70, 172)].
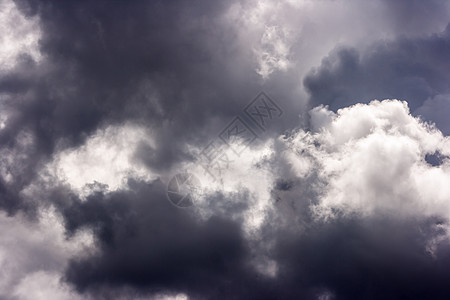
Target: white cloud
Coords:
[(371, 159), (365, 159), (243, 177), (19, 34), (273, 51), (43, 285), (33, 256), (105, 158)]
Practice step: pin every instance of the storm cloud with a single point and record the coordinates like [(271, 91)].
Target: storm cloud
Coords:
[(338, 188)]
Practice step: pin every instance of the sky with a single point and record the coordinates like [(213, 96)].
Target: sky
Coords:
[(241, 149)]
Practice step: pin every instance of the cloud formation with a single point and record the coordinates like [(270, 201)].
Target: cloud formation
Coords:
[(372, 160), (414, 69), (341, 197), (366, 199)]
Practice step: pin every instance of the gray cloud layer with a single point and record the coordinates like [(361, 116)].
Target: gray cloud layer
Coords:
[(182, 71), (410, 69)]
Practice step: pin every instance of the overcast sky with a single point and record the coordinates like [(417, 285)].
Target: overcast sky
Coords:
[(242, 149)]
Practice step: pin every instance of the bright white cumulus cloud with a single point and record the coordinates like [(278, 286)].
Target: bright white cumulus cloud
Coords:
[(363, 160), (106, 158), (371, 159)]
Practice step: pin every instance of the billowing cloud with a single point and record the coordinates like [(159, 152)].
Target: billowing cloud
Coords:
[(340, 197), (371, 159)]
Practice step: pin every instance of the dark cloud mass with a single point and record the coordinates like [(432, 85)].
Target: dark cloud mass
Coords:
[(371, 259), (339, 197), (99, 71), (147, 242), (413, 69)]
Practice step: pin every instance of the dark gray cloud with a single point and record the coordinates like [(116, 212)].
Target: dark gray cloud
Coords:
[(415, 15), (175, 67), (183, 71), (367, 259), (410, 69), (149, 245), (93, 67)]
